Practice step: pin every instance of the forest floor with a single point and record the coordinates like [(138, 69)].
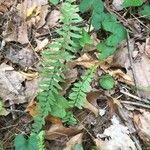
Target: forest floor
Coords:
[(120, 116)]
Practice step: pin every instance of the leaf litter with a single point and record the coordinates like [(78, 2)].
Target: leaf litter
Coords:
[(27, 27)]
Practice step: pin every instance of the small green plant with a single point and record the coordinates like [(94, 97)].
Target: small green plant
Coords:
[(145, 11), (107, 22), (106, 82), (21, 143)]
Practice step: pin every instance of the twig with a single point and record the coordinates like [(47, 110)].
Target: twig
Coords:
[(136, 104), (135, 97)]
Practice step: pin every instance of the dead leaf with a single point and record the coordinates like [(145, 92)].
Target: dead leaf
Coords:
[(121, 76), (29, 76), (77, 139), (32, 108), (31, 88), (41, 44), (71, 76), (142, 123), (52, 19), (57, 131), (11, 84), (140, 67), (25, 57), (119, 139), (91, 107), (147, 47)]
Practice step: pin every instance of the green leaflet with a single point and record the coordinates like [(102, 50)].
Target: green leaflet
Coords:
[(145, 11), (129, 3), (85, 39), (54, 2), (21, 143), (77, 96), (77, 147), (107, 22)]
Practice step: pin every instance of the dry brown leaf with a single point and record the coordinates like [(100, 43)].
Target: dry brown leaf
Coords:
[(93, 96), (11, 84), (77, 139), (140, 67), (121, 76), (91, 107), (142, 123), (53, 18), (71, 76), (32, 108), (57, 131), (86, 60)]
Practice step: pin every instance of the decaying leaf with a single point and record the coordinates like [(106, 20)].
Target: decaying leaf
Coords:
[(58, 131), (77, 139), (11, 84), (140, 65), (86, 60), (71, 76), (142, 123), (3, 111), (91, 107), (25, 57), (119, 138), (121, 76)]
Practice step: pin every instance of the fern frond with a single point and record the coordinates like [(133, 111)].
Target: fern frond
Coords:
[(78, 95), (41, 145), (53, 66)]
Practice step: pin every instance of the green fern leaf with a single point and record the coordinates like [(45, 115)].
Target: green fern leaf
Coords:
[(77, 96)]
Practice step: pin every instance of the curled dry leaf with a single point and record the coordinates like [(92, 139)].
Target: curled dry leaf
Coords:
[(119, 139), (142, 123), (85, 60), (77, 139), (57, 131), (121, 76), (11, 84), (91, 107)]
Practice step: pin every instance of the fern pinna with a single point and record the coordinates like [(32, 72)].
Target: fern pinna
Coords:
[(78, 94), (53, 66)]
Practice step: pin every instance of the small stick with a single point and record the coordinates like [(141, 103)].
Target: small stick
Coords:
[(135, 97), (136, 104)]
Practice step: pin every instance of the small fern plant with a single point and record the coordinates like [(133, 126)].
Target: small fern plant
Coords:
[(61, 50)]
